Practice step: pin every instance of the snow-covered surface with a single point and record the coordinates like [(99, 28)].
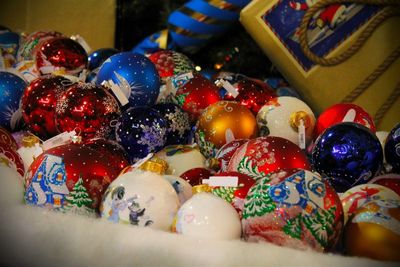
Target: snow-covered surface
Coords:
[(32, 236)]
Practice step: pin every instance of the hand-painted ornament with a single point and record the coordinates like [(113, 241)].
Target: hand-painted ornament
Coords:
[(97, 57), (234, 195), (71, 177), (30, 149), (195, 176), (28, 70), (141, 198), (181, 158), (12, 159), (263, 155), (348, 154), (206, 216), (32, 43), (253, 94), (392, 149), (11, 89), (224, 155), (282, 117), (374, 231), (61, 55), (391, 181), (39, 104), (9, 43), (170, 63), (7, 139), (196, 95), (343, 112), (182, 188), (359, 195), (221, 123), (88, 109), (134, 74), (178, 123), (141, 131), (293, 208)]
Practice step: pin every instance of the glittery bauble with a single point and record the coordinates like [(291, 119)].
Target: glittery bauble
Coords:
[(234, 195), (178, 123), (7, 139), (195, 176), (61, 55), (196, 95), (392, 149), (39, 104), (181, 158), (140, 198), (29, 47), (11, 89), (263, 155), (343, 112), (223, 122), (11, 158), (72, 177), (390, 180), (253, 94), (88, 109), (206, 216), (348, 154), (294, 208), (170, 63), (226, 152), (97, 57), (374, 231), (281, 117), (141, 131), (134, 74), (359, 195)]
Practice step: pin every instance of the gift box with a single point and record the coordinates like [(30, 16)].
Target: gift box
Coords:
[(332, 30)]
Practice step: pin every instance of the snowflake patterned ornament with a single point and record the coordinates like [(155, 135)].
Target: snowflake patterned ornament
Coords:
[(294, 208)]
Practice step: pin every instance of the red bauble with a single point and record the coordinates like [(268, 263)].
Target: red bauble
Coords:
[(29, 47), (343, 112), (170, 63), (390, 180), (253, 94), (197, 94), (7, 139), (61, 54), (11, 158), (39, 104), (88, 109), (226, 152), (62, 176), (263, 155), (195, 176)]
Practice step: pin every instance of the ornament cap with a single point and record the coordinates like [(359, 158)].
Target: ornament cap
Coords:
[(201, 188), (29, 140), (296, 117), (155, 165)]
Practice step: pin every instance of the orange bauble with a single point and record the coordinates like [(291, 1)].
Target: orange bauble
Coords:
[(223, 122)]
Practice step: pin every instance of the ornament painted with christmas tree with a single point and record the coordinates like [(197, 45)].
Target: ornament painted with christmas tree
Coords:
[(171, 63), (294, 208)]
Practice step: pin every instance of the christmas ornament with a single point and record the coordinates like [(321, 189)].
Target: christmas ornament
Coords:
[(61, 55), (39, 104), (392, 149), (170, 63), (30, 149), (343, 112), (263, 155), (7, 139), (181, 158), (391, 181), (11, 181), (221, 123), (283, 116), (294, 208), (197, 94), (11, 158), (206, 216), (182, 188), (134, 74), (9, 42), (141, 131), (178, 123), (71, 177), (252, 94), (359, 195), (11, 90), (235, 195), (32, 43), (224, 155), (348, 154), (28, 70), (141, 197), (87, 108), (96, 58), (373, 231), (196, 176)]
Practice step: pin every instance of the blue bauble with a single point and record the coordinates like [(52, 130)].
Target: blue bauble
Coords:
[(11, 89), (348, 154), (97, 58), (135, 75), (141, 130), (178, 123), (392, 148)]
